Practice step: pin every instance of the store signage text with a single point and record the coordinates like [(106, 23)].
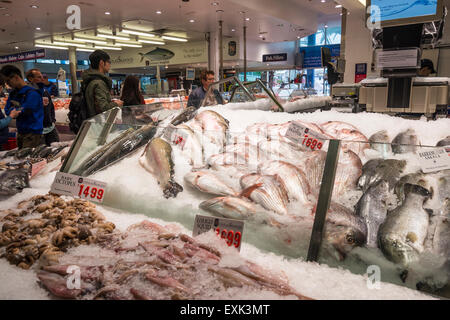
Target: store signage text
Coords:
[(22, 56), (275, 57), (434, 160), (73, 22)]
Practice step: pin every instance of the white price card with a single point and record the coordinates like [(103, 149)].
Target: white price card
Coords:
[(230, 230), (306, 137), (72, 185), (435, 159)]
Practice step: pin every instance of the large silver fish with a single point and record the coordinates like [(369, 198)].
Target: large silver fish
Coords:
[(266, 191), (207, 181), (13, 181), (373, 209), (293, 178), (401, 236), (238, 208), (157, 159), (381, 142), (405, 142), (123, 147), (378, 169)]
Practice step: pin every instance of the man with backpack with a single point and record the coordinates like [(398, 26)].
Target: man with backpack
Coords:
[(95, 95), (36, 80), (27, 99)]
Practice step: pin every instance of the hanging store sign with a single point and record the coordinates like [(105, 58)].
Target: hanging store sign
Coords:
[(312, 56), (22, 56), (275, 57), (72, 185), (230, 230), (434, 160)]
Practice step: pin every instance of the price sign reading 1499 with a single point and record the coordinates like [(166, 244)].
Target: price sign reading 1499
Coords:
[(91, 190), (72, 185), (228, 229)]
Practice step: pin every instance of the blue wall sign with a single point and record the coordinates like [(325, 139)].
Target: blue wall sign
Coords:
[(312, 57)]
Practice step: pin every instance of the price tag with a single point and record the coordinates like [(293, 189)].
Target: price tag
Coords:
[(168, 131), (76, 186), (230, 230), (435, 159), (306, 137), (179, 138)]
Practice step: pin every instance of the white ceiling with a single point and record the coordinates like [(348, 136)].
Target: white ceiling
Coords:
[(278, 20)]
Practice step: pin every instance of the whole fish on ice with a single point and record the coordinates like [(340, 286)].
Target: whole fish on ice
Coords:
[(157, 159), (381, 142), (13, 181), (405, 142), (207, 181), (378, 169)]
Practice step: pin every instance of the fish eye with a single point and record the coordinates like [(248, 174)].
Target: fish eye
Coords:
[(350, 239)]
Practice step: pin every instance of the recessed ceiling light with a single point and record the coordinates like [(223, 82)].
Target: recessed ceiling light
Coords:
[(339, 6), (107, 13), (38, 28), (322, 1), (34, 6), (326, 26), (247, 19), (16, 48), (215, 3), (158, 12), (233, 30), (192, 20), (261, 36)]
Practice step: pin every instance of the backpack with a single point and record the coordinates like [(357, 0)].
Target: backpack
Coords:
[(78, 108), (78, 111)]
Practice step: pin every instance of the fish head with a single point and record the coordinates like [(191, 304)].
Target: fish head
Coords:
[(397, 250), (342, 239)]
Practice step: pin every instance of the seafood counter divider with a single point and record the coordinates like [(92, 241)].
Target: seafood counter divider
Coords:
[(174, 166)]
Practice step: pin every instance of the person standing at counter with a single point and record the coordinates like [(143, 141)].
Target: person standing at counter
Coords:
[(97, 85), (131, 92), (198, 95), (36, 80), (50, 87), (29, 101), (4, 121), (426, 68)]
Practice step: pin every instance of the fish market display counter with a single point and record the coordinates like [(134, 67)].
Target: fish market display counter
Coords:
[(306, 188)]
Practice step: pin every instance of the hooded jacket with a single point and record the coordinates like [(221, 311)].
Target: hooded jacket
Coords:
[(96, 87)]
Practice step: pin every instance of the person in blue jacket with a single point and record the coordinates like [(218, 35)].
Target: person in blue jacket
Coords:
[(50, 87), (4, 121), (29, 101)]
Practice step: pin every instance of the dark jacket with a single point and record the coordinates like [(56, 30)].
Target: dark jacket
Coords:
[(96, 87), (49, 110), (4, 121), (198, 95), (31, 118), (52, 89)]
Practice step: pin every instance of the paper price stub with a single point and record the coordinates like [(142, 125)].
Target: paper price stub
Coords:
[(72, 185), (230, 230), (302, 135), (436, 159)]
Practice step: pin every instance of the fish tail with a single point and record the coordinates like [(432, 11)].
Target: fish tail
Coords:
[(172, 189)]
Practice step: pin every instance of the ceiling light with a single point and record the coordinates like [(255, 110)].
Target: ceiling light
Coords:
[(261, 36), (139, 33), (233, 30), (69, 44), (339, 6), (38, 28), (107, 48), (322, 1), (158, 12), (6, 14), (50, 47), (247, 19), (129, 45), (215, 3), (151, 41), (192, 20), (107, 13), (326, 26), (109, 36), (2, 8), (89, 40), (174, 38), (85, 50), (16, 48), (34, 6)]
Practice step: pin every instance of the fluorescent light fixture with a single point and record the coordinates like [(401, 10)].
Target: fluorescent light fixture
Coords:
[(85, 50), (192, 21), (110, 36), (158, 12), (89, 40), (61, 43), (174, 38), (339, 6), (138, 33), (38, 28), (34, 6), (107, 48), (107, 13), (50, 47), (119, 44), (151, 41)]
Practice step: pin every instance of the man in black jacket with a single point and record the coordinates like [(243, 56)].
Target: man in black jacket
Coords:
[(36, 80)]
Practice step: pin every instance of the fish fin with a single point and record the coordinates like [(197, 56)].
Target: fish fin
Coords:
[(246, 193), (172, 189)]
